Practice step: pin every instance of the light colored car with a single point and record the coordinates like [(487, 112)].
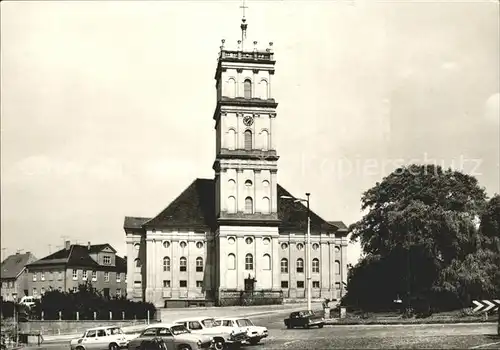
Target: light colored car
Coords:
[(29, 301), (223, 336), (254, 333), (100, 338), (174, 336)]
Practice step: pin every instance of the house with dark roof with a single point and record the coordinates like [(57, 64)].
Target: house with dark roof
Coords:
[(240, 231), (13, 276), (77, 264)]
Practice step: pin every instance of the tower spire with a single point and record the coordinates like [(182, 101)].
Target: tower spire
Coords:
[(243, 26)]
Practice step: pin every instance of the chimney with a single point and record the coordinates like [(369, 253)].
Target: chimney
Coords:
[(67, 245), (88, 246)]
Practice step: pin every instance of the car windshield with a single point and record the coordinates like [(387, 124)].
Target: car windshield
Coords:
[(180, 329), (114, 331), (244, 322), (209, 322)]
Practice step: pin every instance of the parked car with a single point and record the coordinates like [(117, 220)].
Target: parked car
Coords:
[(304, 319), (254, 333), (224, 336), (174, 336), (105, 338), (29, 301)]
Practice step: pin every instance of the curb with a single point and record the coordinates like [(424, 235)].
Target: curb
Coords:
[(403, 323)]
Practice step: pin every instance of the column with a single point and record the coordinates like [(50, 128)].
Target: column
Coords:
[(256, 193), (240, 262), (292, 271), (130, 267), (269, 95), (324, 269), (343, 264), (331, 269), (240, 200), (255, 72), (149, 270), (272, 137), (238, 82), (174, 262), (274, 191), (276, 263)]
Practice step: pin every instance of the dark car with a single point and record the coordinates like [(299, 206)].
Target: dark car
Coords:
[(304, 319), (498, 327)]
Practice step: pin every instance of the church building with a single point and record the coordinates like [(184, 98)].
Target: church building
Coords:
[(236, 232)]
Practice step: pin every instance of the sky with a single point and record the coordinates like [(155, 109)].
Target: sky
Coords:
[(106, 106)]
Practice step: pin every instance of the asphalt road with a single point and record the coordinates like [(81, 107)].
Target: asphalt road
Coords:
[(446, 336)]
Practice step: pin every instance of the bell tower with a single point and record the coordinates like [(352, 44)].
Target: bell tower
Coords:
[(246, 166)]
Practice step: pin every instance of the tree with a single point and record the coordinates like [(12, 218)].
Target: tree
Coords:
[(421, 230)]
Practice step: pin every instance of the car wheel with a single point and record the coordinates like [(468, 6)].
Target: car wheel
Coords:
[(219, 343), (289, 326), (320, 326), (184, 347), (79, 348), (113, 346)]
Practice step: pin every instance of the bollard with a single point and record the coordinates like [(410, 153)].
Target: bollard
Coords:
[(148, 316), (95, 315), (78, 316), (41, 317), (60, 315), (123, 315), (110, 315)]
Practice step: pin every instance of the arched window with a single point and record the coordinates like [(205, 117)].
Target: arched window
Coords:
[(248, 140), (266, 262), (231, 204), (248, 262), (248, 205), (166, 263), (266, 205), (337, 267), (231, 139), (315, 266), (183, 264), (137, 264), (265, 140), (284, 265), (231, 262), (263, 90), (199, 264), (231, 88), (247, 88), (300, 265)]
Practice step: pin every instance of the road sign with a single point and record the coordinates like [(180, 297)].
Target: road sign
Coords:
[(486, 305)]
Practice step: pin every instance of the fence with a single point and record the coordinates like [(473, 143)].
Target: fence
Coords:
[(249, 298)]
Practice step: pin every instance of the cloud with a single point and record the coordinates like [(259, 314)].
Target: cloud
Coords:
[(492, 109)]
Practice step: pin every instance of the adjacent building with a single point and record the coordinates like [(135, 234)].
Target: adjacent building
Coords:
[(236, 232), (14, 277), (77, 264)]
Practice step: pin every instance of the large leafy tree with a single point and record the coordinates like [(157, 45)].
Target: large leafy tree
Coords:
[(421, 229)]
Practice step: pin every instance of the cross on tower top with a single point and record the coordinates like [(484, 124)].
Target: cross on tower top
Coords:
[(243, 26), (243, 7)]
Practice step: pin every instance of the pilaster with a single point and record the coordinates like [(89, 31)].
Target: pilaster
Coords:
[(276, 263)]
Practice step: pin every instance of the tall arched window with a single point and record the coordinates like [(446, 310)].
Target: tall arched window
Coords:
[(166, 263), (137, 263), (231, 204), (231, 88), (248, 140), (249, 262), (183, 264), (247, 88), (263, 90), (231, 262), (315, 266), (337, 267), (284, 265), (300, 265), (266, 262), (199, 264), (248, 205), (266, 205), (231, 139), (265, 140)]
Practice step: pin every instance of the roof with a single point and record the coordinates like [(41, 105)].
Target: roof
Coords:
[(194, 208), (14, 264), (79, 256), (154, 325), (197, 318)]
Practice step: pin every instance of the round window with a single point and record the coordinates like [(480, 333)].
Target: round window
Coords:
[(284, 245), (199, 245), (315, 246), (266, 240), (249, 240), (231, 240), (137, 246), (300, 246), (166, 244), (183, 244), (248, 183)]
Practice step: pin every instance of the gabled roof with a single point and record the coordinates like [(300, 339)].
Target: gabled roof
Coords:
[(77, 256), (14, 264), (194, 208)]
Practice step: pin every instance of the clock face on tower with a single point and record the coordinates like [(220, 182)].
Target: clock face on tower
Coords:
[(248, 120)]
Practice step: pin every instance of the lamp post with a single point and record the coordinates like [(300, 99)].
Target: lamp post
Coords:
[(308, 246)]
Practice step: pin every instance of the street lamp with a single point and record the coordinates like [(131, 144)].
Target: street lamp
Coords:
[(308, 245)]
